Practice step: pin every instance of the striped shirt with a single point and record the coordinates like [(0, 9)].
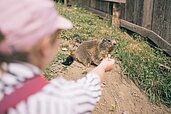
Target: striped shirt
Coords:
[(58, 97)]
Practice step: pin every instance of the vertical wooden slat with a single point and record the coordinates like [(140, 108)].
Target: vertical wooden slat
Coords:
[(148, 33), (93, 3), (168, 11), (167, 20), (84, 3), (98, 4), (123, 11), (129, 10), (159, 24), (138, 12), (110, 12), (168, 32), (104, 7), (116, 15), (65, 2), (147, 17), (89, 3)]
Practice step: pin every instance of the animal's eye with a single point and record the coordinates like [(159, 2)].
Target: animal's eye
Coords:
[(109, 40)]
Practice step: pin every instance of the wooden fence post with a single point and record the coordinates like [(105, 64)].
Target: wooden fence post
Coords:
[(110, 13), (93, 3), (147, 17), (65, 2), (114, 11), (116, 15)]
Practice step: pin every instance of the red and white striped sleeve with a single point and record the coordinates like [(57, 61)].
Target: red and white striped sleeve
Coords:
[(63, 97)]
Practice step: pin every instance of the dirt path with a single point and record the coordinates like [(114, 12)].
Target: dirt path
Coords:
[(119, 93)]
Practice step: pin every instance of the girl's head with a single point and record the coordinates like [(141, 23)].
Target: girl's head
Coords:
[(28, 29)]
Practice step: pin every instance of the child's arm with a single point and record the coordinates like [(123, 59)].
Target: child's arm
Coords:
[(104, 66)]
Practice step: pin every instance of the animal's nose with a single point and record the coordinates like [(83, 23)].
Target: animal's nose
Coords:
[(114, 42)]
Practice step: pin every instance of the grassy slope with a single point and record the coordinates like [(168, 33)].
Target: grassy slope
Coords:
[(146, 66)]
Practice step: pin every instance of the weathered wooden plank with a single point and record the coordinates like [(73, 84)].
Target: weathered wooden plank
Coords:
[(65, 2), (100, 5), (71, 2), (167, 21), (110, 12), (158, 23), (123, 11), (168, 11), (148, 33), (93, 3), (100, 13), (116, 15), (129, 7), (89, 3), (147, 16), (84, 3), (118, 1), (97, 4), (168, 32), (105, 7), (138, 12)]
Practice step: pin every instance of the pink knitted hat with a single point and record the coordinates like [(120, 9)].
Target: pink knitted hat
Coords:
[(24, 22)]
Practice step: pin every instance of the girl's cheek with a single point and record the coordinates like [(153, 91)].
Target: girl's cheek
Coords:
[(56, 46)]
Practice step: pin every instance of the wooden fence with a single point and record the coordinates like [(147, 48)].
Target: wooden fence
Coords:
[(150, 18)]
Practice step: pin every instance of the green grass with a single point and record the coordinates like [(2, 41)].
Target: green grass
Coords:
[(148, 67)]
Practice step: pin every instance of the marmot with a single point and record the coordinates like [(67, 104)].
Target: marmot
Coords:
[(91, 52)]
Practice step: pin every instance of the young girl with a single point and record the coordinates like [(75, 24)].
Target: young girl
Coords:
[(29, 40)]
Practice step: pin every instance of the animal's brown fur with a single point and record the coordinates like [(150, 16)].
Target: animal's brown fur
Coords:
[(92, 52)]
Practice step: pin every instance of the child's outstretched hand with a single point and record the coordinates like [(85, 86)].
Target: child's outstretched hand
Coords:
[(107, 64)]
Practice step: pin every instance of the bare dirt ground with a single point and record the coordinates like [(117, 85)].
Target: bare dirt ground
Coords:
[(119, 94)]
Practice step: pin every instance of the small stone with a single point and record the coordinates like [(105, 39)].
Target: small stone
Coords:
[(64, 49), (125, 112)]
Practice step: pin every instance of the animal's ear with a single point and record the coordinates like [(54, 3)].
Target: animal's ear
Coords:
[(106, 40)]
